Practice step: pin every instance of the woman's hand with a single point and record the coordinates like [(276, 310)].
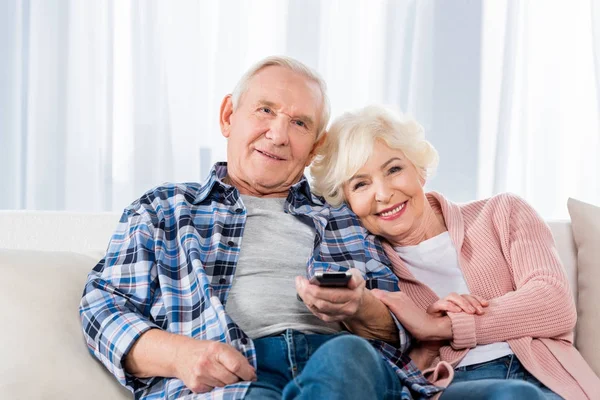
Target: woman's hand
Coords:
[(420, 324), (468, 303)]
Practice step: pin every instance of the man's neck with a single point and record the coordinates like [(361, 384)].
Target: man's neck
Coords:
[(251, 190)]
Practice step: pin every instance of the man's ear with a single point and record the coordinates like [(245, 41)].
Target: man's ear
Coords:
[(315, 148), (225, 115)]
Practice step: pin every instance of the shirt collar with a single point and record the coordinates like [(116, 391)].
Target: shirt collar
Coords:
[(299, 193)]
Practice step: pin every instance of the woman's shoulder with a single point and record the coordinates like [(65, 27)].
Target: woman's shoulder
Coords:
[(495, 210), (501, 202)]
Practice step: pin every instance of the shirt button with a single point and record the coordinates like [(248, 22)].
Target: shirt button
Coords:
[(222, 281), (239, 210), (244, 341), (230, 243)]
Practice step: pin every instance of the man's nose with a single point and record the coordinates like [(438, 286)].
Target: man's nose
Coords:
[(279, 131)]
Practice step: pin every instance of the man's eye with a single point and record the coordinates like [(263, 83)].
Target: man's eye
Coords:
[(300, 123), (266, 110)]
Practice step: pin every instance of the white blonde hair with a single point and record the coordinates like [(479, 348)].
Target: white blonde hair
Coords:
[(292, 65), (349, 144)]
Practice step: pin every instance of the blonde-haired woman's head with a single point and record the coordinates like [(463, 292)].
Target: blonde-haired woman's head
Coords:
[(350, 143)]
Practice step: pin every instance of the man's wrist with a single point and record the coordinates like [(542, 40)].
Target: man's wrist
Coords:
[(362, 313), (444, 328)]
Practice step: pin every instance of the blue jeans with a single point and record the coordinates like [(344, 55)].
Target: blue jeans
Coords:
[(294, 365), (503, 378)]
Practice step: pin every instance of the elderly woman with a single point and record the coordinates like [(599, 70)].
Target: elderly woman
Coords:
[(513, 321)]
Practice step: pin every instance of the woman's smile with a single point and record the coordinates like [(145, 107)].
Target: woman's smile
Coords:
[(393, 212)]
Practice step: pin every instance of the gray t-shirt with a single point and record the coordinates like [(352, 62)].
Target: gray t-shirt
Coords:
[(275, 248)]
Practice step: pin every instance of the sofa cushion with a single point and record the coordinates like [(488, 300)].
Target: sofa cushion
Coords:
[(585, 222), (43, 354)]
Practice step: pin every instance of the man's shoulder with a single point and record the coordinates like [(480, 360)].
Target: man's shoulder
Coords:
[(166, 199), (345, 223), (343, 213), (172, 193)]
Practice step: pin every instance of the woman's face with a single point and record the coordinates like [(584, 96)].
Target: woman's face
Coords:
[(387, 193)]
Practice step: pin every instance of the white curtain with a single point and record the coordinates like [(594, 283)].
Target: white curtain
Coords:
[(540, 132), (103, 100), (100, 101)]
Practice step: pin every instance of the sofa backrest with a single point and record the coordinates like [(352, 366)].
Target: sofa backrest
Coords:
[(88, 233), (567, 251)]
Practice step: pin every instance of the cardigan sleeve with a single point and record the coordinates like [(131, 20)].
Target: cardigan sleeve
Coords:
[(541, 304)]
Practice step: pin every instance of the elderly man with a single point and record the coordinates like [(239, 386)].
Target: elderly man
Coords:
[(196, 295)]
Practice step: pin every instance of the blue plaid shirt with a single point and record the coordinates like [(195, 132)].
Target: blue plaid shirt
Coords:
[(170, 265)]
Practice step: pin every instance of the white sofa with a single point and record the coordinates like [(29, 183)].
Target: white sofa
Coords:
[(44, 261)]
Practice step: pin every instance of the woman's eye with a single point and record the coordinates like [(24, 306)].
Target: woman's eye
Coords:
[(358, 185), (394, 170)]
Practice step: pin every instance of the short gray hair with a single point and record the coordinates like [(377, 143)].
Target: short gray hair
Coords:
[(349, 144), (292, 65)]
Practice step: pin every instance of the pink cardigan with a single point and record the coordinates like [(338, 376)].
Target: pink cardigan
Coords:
[(507, 255)]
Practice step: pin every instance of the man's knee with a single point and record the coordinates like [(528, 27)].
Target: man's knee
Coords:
[(351, 346), (515, 389), (346, 367), (350, 350)]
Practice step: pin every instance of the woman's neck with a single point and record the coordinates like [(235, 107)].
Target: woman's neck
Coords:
[(429, 225)]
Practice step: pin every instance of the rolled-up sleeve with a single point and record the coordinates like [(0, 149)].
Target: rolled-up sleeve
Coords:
[(380, 276), (119, 294)]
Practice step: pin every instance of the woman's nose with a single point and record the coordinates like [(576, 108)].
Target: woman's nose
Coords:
[(383, 196)]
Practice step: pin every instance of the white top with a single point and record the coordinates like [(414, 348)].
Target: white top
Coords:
[(435, 263)]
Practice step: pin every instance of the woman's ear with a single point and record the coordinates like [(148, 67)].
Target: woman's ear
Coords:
[(225, 115), (422, 178)]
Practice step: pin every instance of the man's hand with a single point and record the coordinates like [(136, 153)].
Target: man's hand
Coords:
[(333, 304), (425, 353), (201, 364)]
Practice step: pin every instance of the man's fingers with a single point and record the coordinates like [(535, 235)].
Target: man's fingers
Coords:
[(220, 375), (237, 364), (334, 309), (209, 382), (338, 295), (201, 388), (357, 279)]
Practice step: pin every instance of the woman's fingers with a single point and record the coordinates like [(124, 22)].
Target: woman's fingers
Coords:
[(475, 303), (443, 306), (481, 300), (462, 302), (470, 304)]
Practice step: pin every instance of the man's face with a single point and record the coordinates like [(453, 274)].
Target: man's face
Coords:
[(272, 133)]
